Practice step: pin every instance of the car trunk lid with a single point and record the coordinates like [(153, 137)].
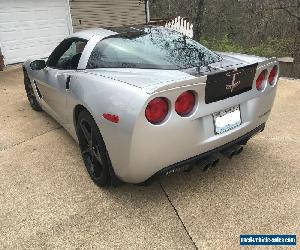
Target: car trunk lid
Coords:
[(150, 80), (221, 78)]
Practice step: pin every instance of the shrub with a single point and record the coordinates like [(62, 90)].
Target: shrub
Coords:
[(272, 47)]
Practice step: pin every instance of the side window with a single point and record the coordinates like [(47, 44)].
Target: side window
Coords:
[(67, 54)]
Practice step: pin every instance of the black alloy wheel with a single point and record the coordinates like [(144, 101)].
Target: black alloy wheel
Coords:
[(30, 93), (93, 150)]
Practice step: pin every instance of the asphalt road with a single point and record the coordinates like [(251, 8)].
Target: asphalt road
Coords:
[(48, 201)]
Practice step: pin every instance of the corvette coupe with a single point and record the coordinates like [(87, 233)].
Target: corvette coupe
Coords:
[(144, 101)]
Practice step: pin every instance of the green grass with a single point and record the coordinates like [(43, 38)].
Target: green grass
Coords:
[(270, 48)]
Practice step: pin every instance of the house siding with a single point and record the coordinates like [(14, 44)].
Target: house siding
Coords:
[(106, 13)]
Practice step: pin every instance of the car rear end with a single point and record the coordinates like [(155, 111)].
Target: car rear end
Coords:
[(200, 117)]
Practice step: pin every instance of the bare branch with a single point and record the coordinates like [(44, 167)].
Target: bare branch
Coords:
[(287, 9)]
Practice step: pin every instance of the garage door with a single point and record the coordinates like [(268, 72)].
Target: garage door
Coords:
[(32, 28), (106, 13)]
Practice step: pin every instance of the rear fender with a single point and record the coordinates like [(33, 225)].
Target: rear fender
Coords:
[(106, 96)]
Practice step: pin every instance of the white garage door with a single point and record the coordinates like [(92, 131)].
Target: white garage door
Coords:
[(31, 29)]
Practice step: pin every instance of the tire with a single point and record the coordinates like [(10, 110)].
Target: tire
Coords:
[(93, 150), (30, 93)]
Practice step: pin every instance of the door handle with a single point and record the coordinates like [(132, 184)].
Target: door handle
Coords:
[(68, 82)]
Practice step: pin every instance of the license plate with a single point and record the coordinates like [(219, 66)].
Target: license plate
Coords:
[(227, 119)]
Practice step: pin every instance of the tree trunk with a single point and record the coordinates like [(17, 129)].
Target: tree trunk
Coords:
[(296, 65), (198, 19), (297, 45)]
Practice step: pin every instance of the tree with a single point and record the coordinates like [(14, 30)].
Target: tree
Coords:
[(198, 19), (193, 10), (292, 8)]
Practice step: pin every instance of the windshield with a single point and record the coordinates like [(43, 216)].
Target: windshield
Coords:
[(150, 48)]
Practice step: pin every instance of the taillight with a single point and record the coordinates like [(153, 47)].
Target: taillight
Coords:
[(157, 110), (260, 81), (272, 76), (185, 103)]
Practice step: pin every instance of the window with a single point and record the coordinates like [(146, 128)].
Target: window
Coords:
[(67, 54), (152, 48)]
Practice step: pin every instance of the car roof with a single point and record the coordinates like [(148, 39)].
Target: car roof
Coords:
[(89, 33), (105, 32)]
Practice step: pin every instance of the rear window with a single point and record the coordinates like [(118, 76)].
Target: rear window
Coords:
[(150, 48)]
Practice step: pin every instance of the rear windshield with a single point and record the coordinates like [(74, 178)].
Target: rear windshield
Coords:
[(150, 48)]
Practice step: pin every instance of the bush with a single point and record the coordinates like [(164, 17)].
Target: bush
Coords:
[(272, 47)]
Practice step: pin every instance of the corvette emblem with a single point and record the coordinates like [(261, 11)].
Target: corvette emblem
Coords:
[(234, 83)]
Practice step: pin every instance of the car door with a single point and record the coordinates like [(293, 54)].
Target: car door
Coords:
[(53, 81)]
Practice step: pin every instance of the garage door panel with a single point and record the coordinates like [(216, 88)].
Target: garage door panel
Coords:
[(31, 24), (32, 28), (31, 49), (21, 4), (13, 45), (44, 37)]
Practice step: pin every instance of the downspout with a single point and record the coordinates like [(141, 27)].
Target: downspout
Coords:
[(147, 10), (1, 61)]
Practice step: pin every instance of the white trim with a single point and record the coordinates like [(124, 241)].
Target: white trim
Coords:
[(69, 17), (182, 26), (87, 51)]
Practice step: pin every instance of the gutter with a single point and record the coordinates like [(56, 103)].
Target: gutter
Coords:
[(1, 61), (147, 11)]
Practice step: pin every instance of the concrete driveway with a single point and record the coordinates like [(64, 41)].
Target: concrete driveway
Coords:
[(47, 199)]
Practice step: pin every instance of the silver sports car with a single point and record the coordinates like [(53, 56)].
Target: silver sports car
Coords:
[(144, 101)]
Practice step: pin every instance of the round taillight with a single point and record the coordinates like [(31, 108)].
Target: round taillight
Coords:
[(272, 76), (185, 103), (260, 81), (157, 110)]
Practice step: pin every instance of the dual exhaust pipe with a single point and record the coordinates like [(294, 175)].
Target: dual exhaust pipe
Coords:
[(213, 159), (208, 162), (230, 152)]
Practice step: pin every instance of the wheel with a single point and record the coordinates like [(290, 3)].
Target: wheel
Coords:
[(30, 93), (93, 150)]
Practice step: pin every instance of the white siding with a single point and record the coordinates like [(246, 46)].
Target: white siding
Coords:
[(32, 28), (106, 13)]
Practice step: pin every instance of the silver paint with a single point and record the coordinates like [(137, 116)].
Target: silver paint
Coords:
[(137, 148)]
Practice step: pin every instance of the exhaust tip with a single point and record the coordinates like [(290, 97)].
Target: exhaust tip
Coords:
[(211, 161), (188, 168), (215, 162), (206, 167), (230, 152), (239, 150)]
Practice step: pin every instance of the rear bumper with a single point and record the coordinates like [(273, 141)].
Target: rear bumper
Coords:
[(177, 167), (154, 149)]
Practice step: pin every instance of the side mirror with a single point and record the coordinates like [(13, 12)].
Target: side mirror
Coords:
[(37, 64)]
